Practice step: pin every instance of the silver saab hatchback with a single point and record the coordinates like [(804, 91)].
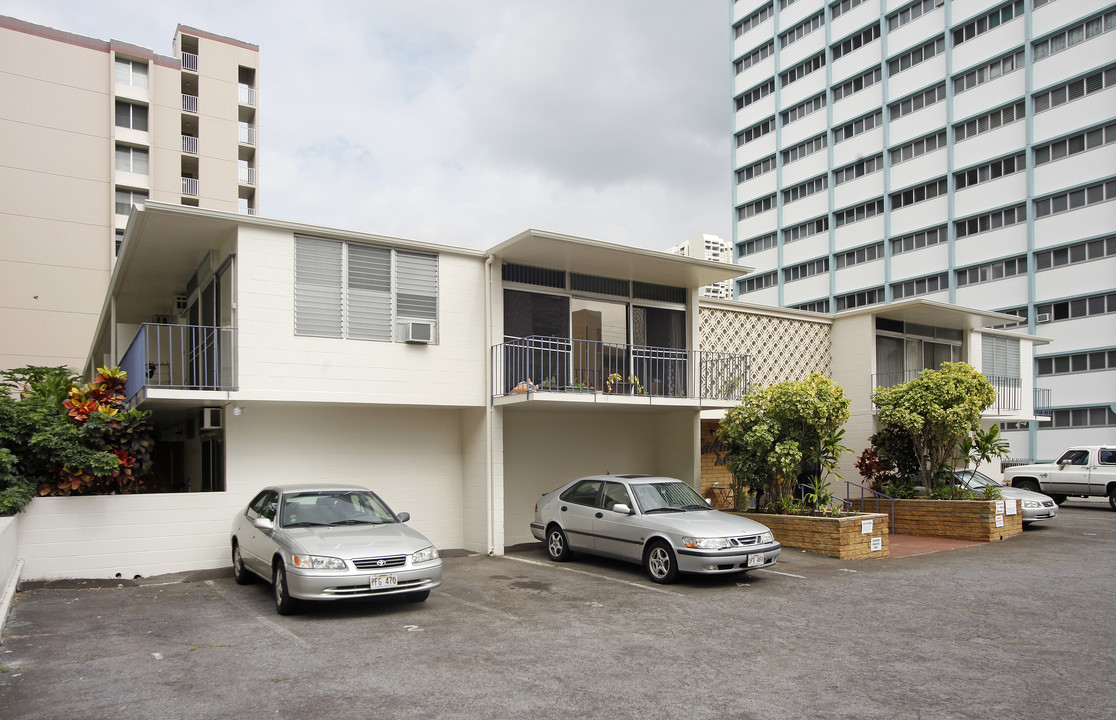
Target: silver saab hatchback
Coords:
[(327, 542), (658, 522)]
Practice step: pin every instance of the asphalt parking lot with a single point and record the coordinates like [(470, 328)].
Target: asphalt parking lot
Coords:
[(1021, 628)]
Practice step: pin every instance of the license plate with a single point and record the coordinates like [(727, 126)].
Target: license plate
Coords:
[(383, 581), (754, 560)]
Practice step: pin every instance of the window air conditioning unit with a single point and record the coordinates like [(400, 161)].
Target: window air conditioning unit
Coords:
[(210, 418), (1042, 318), (419, 331)]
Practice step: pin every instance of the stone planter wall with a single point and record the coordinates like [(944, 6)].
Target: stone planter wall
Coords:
[(979, 520), (843, 537)]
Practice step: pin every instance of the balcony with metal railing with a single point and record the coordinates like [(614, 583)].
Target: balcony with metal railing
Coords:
[(247, 176), (190, 61), (190, 186), (180, 357), (246, 95), (189, 103), (1009, 390), (190, 144), (247, 134), (581, 370)]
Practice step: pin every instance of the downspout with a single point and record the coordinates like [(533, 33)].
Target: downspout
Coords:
[(488, 399)]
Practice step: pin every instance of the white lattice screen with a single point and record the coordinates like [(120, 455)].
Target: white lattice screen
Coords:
[(781, 348)]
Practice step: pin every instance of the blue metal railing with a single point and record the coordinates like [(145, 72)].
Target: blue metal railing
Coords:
[(876, 496), (1044, 403), (552, 364), (181, 357)]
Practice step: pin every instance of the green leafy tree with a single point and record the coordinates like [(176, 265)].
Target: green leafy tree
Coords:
[(939, 409), (777, 431)]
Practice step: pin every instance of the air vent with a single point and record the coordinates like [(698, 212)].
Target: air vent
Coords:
[(210, 418), (420, 332)]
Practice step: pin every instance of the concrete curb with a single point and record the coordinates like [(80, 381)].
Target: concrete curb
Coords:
[(9, 594)]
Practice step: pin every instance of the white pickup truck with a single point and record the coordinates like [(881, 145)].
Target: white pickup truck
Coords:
[(1086, 470)]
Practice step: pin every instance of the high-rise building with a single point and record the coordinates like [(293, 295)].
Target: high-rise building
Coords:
[(708, 247), (89, 128), (962, 152)]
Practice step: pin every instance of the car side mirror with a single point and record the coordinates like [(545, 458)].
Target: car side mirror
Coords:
[(263, 523), (403, 517), (622, 509)]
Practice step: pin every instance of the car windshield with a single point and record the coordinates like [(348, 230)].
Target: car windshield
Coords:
[(667, 497), (974, 480), (334, 507)]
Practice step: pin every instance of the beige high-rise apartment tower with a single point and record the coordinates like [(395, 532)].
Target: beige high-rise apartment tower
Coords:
[(87, 129)]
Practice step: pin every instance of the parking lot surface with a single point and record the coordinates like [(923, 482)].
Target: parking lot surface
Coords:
[(1020, 628)]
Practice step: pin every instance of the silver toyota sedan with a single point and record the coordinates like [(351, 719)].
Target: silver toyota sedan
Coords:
[(327, 542), (660, 523)]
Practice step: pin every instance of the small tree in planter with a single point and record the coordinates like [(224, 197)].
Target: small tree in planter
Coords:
[(775, 431), (940, 410)]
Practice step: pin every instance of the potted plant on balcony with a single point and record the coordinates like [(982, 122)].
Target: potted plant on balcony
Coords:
[(615, 384)]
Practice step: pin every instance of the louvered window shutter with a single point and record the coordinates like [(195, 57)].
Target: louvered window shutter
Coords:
[(369, 292), (417, 285), (318, 287)]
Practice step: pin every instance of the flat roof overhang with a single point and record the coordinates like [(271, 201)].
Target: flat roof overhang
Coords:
[(940, 314), (555, 251)]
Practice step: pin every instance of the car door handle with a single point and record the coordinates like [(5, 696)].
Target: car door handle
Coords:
[(600, 515)]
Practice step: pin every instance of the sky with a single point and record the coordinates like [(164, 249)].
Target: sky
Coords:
[(466, 122)]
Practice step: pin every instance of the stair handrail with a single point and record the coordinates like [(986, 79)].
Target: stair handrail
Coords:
[(875, 495)]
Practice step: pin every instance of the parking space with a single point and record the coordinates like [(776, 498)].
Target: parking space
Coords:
[(1016, 628)]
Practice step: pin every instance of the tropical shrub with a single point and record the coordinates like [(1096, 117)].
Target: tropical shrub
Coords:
[(939, 409), (784, 434), (59, 438)]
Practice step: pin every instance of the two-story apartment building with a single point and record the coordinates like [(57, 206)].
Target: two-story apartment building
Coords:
[(460, 384)]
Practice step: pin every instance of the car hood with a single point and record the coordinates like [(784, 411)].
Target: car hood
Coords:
[(1012, 493), (704, 523), (357, 541), (1025, 469)]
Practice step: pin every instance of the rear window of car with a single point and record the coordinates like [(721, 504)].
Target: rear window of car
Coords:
[(584, 493), (1107, 457)]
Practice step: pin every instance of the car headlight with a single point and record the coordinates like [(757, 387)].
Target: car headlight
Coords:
[(766, 538), (318, 562), (1032, 504), (424, 555), (706, 543)]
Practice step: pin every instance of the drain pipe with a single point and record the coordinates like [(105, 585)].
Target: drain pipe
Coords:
[(488, 401)]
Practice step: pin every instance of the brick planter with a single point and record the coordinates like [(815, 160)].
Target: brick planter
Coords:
[(959, 519), (842, 537)]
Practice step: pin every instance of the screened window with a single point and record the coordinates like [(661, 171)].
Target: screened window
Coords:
[(130, 159), (131, 116), (131, 72), (125, 199), (360, 292)]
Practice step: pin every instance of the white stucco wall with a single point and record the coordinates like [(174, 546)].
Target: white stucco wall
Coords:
[(543, 450), (412, 457), (276, 364)]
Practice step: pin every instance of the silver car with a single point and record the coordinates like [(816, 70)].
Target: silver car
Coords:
[(327, 542), (658, 522), (1034, 506)]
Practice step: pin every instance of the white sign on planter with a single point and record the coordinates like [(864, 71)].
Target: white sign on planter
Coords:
[(866, 527)]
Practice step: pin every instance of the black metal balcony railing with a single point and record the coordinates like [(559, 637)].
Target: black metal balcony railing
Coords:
[(181, 357), (552, 364), (1008, 389)]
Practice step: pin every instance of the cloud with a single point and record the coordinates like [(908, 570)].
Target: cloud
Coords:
[(467, 122)]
